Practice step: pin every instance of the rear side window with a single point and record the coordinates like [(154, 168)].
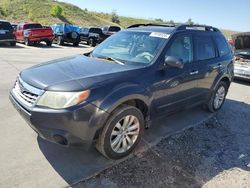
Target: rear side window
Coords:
[(84, 30), (204, 48), (222, 45), (105, 28), (5, 26), (114, 29), (32, 26), (95, 30), (182, 48)]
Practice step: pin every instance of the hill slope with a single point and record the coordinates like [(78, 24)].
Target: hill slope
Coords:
[(39, 11)]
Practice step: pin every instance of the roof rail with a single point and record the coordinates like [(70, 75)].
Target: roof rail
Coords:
[(150, 24), (178, 27), (187, 26)]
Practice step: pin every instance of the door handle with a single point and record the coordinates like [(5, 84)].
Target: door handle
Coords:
[(194, 72), (218, 66)]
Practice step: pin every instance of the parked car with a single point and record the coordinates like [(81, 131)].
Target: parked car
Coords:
[(7, 33), (108, 96), (91, 35), (33, 33), (241, 43), (109, 30), (66, 33)]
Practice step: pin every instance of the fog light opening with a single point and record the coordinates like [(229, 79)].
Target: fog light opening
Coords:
[(60, 140)]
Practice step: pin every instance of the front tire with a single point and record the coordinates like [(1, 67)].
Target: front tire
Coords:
[(92, 42), (49, 43), (76, 44), (121, 133), (218, 97), (27, 42)]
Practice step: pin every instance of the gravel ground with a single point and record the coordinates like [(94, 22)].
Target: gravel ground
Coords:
[(215, 153)]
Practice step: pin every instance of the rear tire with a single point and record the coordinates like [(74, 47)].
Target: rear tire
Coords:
[(49, 43), (121, 133), (217, 98), (60, 41), (13, 43), (27, 42)]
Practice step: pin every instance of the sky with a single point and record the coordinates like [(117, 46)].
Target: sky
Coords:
[(226, 14)]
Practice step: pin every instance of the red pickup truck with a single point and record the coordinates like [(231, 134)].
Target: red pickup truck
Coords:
[(32, 33)]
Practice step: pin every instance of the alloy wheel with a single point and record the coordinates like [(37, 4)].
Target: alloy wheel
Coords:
[(219, 97), (124, 134)]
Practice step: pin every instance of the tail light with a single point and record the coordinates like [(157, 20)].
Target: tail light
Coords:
[(27, 33)]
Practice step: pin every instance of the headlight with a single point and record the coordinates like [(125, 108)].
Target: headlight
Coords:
[(59, 100)]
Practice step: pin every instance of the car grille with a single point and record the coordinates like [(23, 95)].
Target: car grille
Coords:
[(25, 93)]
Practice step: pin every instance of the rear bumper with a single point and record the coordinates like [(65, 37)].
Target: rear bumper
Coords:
[(242, 73), (40, 39), (77, 126), (7, 40)]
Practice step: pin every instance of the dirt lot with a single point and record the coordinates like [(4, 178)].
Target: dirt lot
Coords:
[(215, 153)]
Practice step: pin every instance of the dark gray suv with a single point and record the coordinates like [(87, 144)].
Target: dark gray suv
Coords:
[(7, 33), (107, 97)]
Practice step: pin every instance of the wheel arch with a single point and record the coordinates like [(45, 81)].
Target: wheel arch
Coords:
[(225, 78), (121, 97)]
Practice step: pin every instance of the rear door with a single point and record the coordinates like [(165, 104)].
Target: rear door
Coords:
[(19, 32), (205, 56), (208, 61), (84, 33)]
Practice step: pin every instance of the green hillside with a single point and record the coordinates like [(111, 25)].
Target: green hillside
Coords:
[(39, 11)]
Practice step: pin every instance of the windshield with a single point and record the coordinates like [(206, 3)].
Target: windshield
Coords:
[(114, 29), (131, 47), (5, 26)]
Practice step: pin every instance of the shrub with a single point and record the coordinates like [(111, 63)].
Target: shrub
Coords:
[(190, 22), (56, 11), (159, 20), (2, 13)]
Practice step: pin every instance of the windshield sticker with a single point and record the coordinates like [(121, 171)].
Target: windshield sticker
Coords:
[(159, 35)]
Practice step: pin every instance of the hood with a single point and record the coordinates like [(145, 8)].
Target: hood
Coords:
[(73, 73), (244, 54)]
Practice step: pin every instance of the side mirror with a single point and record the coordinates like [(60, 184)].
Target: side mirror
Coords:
[(174, 62)]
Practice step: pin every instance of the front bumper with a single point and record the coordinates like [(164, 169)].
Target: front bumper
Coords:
[(242, 72), (74, 126)]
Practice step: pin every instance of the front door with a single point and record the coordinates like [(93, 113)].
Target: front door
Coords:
[(176, 87)]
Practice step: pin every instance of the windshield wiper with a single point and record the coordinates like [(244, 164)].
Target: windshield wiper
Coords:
[(111, 59)]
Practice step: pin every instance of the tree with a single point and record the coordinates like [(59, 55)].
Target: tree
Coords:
[(159, 20), (190, 22), (171, 22), (2, 13), (115, 17), (56, 11)]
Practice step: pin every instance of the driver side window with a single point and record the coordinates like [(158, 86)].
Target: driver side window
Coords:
[(182, 48)]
